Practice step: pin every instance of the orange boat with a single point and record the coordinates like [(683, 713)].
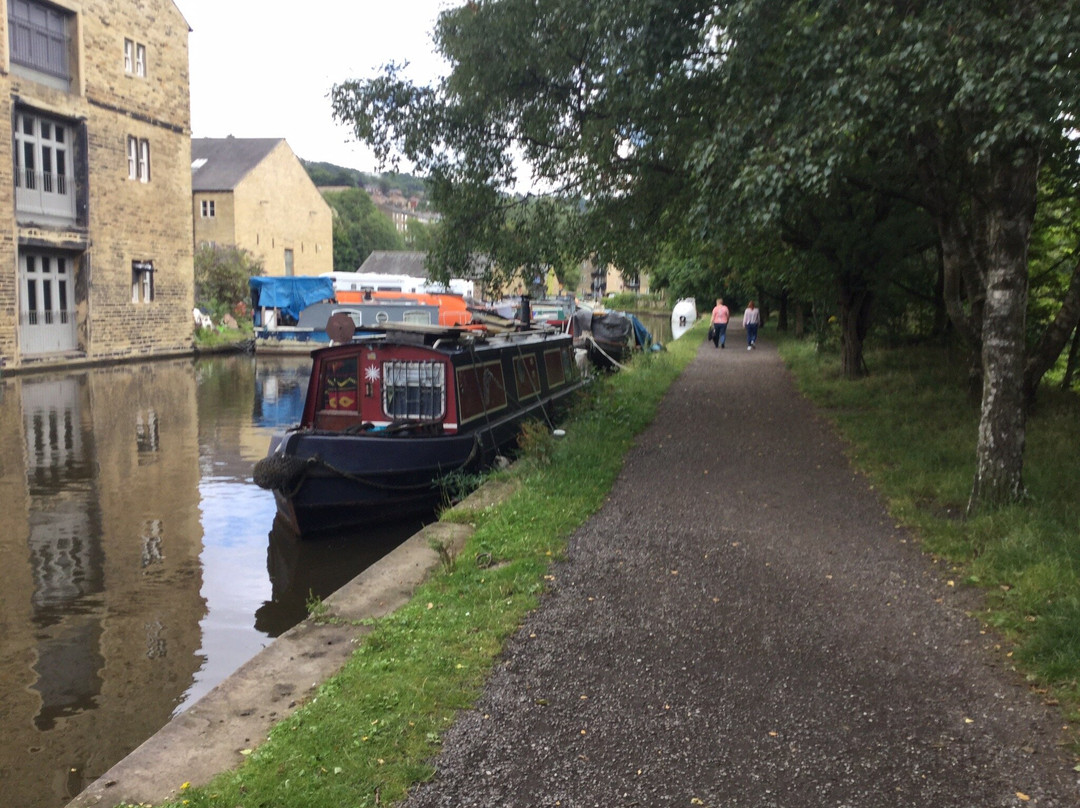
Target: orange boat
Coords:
[(452, 309)]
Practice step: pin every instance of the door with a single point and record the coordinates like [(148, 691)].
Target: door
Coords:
[(47, 310)]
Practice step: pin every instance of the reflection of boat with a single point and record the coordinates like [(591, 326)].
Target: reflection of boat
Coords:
[(683, 316), (388, 417), (300, 570)]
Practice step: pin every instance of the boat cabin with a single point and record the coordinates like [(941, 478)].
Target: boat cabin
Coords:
[(416, 380)]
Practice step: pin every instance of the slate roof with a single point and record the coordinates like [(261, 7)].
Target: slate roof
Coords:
[(228, 160), (387, 262)]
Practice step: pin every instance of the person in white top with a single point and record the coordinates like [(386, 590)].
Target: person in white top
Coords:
[(751, 319)]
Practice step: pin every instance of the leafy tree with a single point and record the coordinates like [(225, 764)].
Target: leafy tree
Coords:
[(221, 276), (731, 120), (359, 229)]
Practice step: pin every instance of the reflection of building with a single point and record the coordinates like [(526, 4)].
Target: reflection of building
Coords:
[(99, 488), (94, 182), (253, 193)]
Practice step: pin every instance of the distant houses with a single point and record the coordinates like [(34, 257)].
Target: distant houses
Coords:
[(96, 190), (253, 193)]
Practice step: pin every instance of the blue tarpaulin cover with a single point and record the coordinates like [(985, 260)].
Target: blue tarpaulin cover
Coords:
[(290, 294)]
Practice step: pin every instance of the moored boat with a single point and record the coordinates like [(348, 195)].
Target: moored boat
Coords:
[(683, 316), (389, 416)]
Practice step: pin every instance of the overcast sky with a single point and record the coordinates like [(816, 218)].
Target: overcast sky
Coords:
[(264, 68)]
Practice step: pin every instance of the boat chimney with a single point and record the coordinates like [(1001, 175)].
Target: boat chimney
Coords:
[(526, 312)]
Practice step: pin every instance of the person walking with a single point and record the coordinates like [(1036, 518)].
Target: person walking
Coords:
[(720, 317), (751, 319)]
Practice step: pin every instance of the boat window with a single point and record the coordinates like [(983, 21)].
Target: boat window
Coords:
[(414, 391), (421, 317), (481, 391), (339, 389), (557, 365), (527, 375)]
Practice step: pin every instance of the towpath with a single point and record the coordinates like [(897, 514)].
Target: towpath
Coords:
[(743, 625)]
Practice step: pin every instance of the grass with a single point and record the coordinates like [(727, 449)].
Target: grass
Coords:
[(371, 731), (221, 336), (912, 430)]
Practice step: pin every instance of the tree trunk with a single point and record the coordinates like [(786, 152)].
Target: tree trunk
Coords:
[(963, 283), (782, 315), (855, 301), (1070, 366), (800, 321), (1053, 341), (1008, 212)]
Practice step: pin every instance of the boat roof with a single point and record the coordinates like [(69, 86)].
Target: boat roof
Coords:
[(437, 336)]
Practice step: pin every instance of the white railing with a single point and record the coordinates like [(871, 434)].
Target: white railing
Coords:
[(43, 193)]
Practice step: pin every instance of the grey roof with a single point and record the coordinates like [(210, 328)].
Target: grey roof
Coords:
[(396, 263), (228, 160)]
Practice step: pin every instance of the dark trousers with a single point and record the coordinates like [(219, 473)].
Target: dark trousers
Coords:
[(719, 334)]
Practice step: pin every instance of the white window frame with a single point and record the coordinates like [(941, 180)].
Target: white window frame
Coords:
[(142, 281), (208, 209), (133, 157), (138, 158), (129, 56), (140, 60), (144, 160)]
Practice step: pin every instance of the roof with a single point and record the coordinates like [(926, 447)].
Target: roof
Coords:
[(227, 160), (385, 262)]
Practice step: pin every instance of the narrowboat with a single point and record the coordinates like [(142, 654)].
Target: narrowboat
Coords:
[(389, 416)]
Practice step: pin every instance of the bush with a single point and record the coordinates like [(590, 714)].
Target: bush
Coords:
[(221, 277)]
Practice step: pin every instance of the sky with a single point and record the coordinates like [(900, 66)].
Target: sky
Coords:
[(264, 68)]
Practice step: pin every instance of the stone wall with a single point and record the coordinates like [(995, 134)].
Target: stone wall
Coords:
[(119, 220), (278, 208)]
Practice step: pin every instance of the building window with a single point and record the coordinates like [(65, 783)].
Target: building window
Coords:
[(134, 58), (138, 155), (208, 211), (41, 154), (142, 281), (38, 37)]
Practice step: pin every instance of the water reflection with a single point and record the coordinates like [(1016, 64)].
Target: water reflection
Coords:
[(140, 563)]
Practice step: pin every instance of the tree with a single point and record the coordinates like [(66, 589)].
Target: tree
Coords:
[(969, 100), (359, 229), (221, 276), (650, 115)]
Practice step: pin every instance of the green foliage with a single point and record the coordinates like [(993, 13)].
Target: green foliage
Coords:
[(328, 174), (221, 276), (360, 228)]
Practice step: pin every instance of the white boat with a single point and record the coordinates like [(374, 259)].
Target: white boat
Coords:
[(683, 316)]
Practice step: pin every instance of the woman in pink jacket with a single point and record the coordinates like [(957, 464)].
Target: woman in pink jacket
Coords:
[(720, 316)]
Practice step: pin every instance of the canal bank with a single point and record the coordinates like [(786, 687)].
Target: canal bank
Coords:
[(218, 731)]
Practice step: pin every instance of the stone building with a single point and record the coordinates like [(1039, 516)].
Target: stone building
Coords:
[(253, 193), (95, 182)]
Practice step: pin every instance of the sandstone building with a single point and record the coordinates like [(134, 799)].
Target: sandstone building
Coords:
[(253, 193), (95, 182)]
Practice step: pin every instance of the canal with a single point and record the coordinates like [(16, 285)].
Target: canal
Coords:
[(141, 564)]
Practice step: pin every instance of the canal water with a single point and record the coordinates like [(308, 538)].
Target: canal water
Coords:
[(141, 566)]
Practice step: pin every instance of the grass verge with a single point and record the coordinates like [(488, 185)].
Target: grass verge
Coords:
[(371, 732), (911, 429)]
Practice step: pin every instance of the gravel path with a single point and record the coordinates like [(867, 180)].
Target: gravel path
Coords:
[(743, 625)]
